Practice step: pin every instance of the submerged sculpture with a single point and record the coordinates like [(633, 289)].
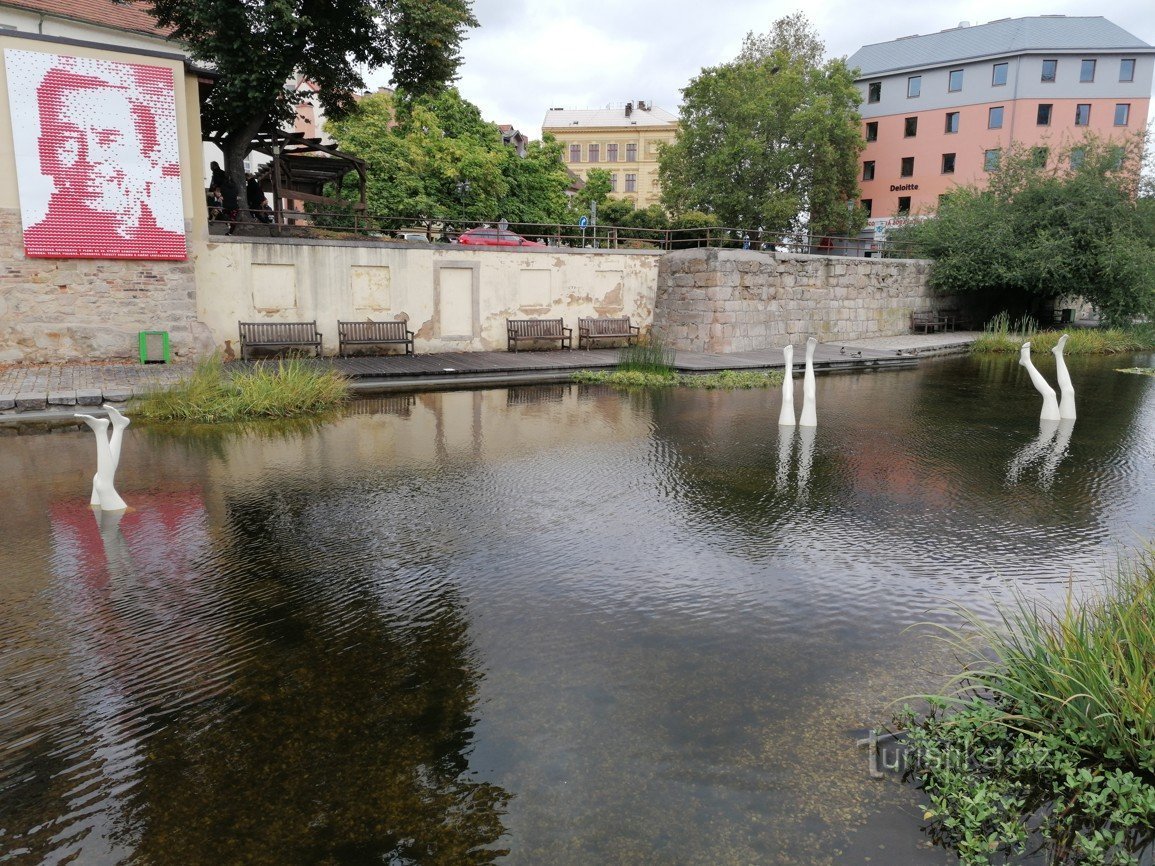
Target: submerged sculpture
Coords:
[(104, 492), (786, 414), (809, 411), (1050, 403), (1066, 388)]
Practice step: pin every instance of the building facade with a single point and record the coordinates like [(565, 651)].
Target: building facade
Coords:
[(623, 141), (939, 109)]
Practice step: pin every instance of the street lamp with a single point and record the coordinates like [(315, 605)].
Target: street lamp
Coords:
[(462, 192), (277, 187)]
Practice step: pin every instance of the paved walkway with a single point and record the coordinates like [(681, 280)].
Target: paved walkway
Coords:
[(61, 387)]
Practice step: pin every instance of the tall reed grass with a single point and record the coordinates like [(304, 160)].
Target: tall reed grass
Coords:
[(1002, 334), (282, 389), (647, 356)]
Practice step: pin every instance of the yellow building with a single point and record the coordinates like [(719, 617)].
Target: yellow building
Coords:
[(623, 141)]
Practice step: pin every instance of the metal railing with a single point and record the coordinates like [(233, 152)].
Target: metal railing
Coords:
[(318, 223)]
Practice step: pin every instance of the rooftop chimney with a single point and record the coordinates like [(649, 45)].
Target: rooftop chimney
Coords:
[(629, 109)]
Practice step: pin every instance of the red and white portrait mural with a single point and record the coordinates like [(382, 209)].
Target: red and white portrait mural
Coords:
[(97, 157)]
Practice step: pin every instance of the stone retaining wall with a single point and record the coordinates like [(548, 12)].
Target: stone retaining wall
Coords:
[(742, 300), (54, 310)]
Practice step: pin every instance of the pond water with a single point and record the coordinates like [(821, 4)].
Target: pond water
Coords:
[(550, 624)]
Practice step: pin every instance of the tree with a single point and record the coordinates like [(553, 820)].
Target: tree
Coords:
[(1047, 227), (595, 191), (434, 156), (771, 140), (258, 45)]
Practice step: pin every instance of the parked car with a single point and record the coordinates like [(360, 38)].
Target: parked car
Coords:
[(492, 237)]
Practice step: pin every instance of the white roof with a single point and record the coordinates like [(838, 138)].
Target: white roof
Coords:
[(1007, 36), (600, 118)]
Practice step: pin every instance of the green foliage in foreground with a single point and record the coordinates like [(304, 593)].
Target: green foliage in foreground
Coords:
[(1003, 335), (729, 380), (1050, 728), (285, 389)]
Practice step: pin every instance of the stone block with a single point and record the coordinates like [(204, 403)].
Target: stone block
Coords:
[(61, 398), (31, 400), (7, 401), (118, 393), (89, 396)]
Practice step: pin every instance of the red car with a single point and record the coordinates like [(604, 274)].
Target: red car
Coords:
[(495, 238)]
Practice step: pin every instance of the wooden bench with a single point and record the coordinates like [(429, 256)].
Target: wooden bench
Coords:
[(591, 329), (928, 321), (279, 336), (521, 330), (373, 334)]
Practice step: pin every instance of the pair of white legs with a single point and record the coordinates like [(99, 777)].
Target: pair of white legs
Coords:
[(1053, 410), (809, 412), (104, 493)]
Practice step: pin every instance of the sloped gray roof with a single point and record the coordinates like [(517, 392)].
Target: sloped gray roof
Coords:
[(563, 118), (1007, 36)]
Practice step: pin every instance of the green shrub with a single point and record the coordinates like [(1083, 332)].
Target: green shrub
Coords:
[(1050, 726), (284, 389)]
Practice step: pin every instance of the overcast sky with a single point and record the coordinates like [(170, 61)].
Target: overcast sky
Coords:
[(531, 55)]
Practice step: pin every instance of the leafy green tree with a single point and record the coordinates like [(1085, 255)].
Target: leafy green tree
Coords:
[(257, 45), (435, 156), (596, 190), (771, 140), (1071, 226)]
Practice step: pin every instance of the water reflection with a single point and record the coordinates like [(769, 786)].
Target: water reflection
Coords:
[(567, 623)]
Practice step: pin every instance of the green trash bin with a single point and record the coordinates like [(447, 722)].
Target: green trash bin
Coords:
[(154, 347)]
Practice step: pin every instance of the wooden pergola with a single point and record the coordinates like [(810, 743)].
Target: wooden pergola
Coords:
[(300, 168)]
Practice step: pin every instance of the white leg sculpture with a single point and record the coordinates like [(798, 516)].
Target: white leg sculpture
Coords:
[(119, 422), (809, 412), (107, 497), (786, 415), (1066, 388), (1050, 403)]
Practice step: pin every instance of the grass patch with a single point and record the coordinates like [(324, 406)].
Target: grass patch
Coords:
[(1001, 335), (1139, 371), (1050, 728), (728, 380), (285, 389), (648, 356)]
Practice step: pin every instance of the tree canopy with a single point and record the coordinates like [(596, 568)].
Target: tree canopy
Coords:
[(770, 141), (257, 45), (1048, 226), (435, 156)]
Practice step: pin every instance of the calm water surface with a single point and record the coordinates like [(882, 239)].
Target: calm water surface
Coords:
[(549, 624)]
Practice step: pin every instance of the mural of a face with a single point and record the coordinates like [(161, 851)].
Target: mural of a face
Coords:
[(97, 157), (98, 151)]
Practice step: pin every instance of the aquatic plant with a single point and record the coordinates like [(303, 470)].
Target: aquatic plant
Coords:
[(647, 356), (728, 380), (1048, 734), (282, 389)]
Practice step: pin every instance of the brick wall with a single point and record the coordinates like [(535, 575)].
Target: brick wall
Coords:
[(81, 309), (743, 300)]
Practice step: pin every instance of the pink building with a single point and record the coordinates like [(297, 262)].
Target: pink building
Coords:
[(937, 109)]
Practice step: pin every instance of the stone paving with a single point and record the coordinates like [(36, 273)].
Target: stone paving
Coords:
[(37, 387)]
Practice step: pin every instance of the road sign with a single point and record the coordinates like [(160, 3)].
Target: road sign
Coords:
[(583, 222)]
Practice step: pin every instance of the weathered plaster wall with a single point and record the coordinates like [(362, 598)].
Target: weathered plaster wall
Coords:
[(743, 300), (454, 298)]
